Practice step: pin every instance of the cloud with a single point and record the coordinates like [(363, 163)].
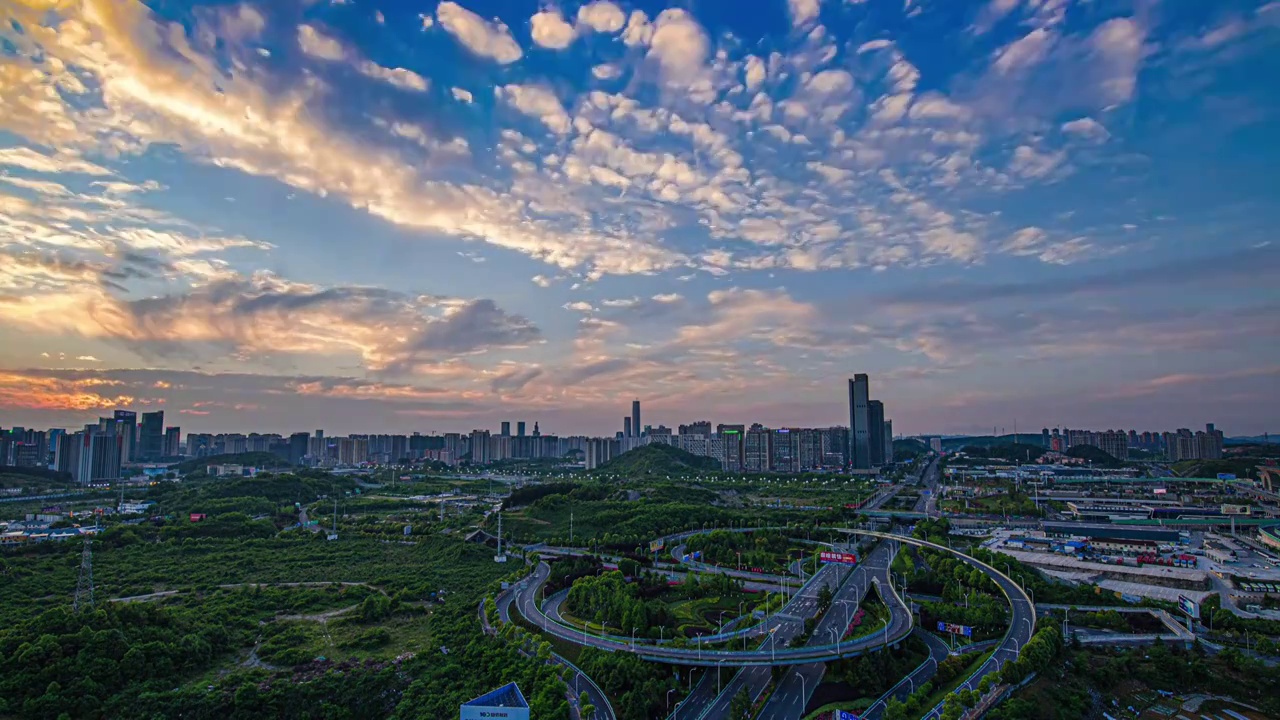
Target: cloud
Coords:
[(550, 30), (803, 12), (461, 95), (602, 16), (679, 45), (1086, 128), (537, 102), (318, 45), (28, 159), (491, 40), (321, 46), (1026, 52), (1028, 163), (34, 390)]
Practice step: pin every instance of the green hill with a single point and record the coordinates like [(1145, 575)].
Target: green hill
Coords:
[(953, 444), (908, 448), (1096, 456), (658, 459)]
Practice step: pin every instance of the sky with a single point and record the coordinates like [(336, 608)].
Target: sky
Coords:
[(404, 215)]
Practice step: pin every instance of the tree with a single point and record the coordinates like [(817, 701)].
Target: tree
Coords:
[(740, 706)]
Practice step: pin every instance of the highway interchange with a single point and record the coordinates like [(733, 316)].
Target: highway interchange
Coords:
[(767, 643)]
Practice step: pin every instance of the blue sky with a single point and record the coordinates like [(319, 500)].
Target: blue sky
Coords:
[(396, 216)]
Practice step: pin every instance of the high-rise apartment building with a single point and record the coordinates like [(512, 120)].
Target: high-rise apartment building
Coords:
[(835, 447), (151, 436), (888, 441), (99, 457), (860, 422), (506, 429), (808, 442), (701, 427), (127, 427), (626, 426), (480, 450), (730, 447), (756, 449), (519, 428), (1115, 443), (636, 427)]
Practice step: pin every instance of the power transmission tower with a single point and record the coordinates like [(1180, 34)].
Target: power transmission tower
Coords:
[(84, 585)]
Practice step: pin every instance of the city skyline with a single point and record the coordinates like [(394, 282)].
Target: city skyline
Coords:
[(396, 217)]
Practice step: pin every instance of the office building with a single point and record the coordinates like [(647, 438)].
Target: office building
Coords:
[(636, 427), (626, 426), (519, 428), (151, 436), (172, 442), (506, 429), (1044, 437), (888, 442), (127, 426), (859, 422), (875, 432)]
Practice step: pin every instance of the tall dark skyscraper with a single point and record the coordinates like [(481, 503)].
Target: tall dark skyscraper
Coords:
[(299, 443), (127, 427), (859, 423), (626, 426), (875, 432), (636, 427), (151, 436), (172, 441), (506, 428), (519, 428)]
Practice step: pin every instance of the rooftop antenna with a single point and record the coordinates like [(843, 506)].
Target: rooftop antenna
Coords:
[(84, 584)]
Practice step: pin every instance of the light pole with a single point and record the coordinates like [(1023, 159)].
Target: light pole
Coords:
[(669, 700), (803, 697), (633, 639)]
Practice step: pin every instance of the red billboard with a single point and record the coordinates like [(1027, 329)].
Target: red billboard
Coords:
[(838, 557)]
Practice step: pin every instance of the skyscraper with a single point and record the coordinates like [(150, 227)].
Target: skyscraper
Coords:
[(636, 427), (875, 432), (626, 426), (172, 442), (151, 436), (519, 428), (127, 427), (506, 429), (888, 441), (299, 443), (1044, 437), (859, 423)]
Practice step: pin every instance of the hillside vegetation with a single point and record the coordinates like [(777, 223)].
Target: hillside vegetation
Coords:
[(658, 459)]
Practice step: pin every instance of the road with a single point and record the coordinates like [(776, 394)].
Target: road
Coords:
[(938, 651), (577, 680), (755, 679), (792, 695)]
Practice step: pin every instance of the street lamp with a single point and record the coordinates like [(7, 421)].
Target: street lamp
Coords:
[(669, 700)]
